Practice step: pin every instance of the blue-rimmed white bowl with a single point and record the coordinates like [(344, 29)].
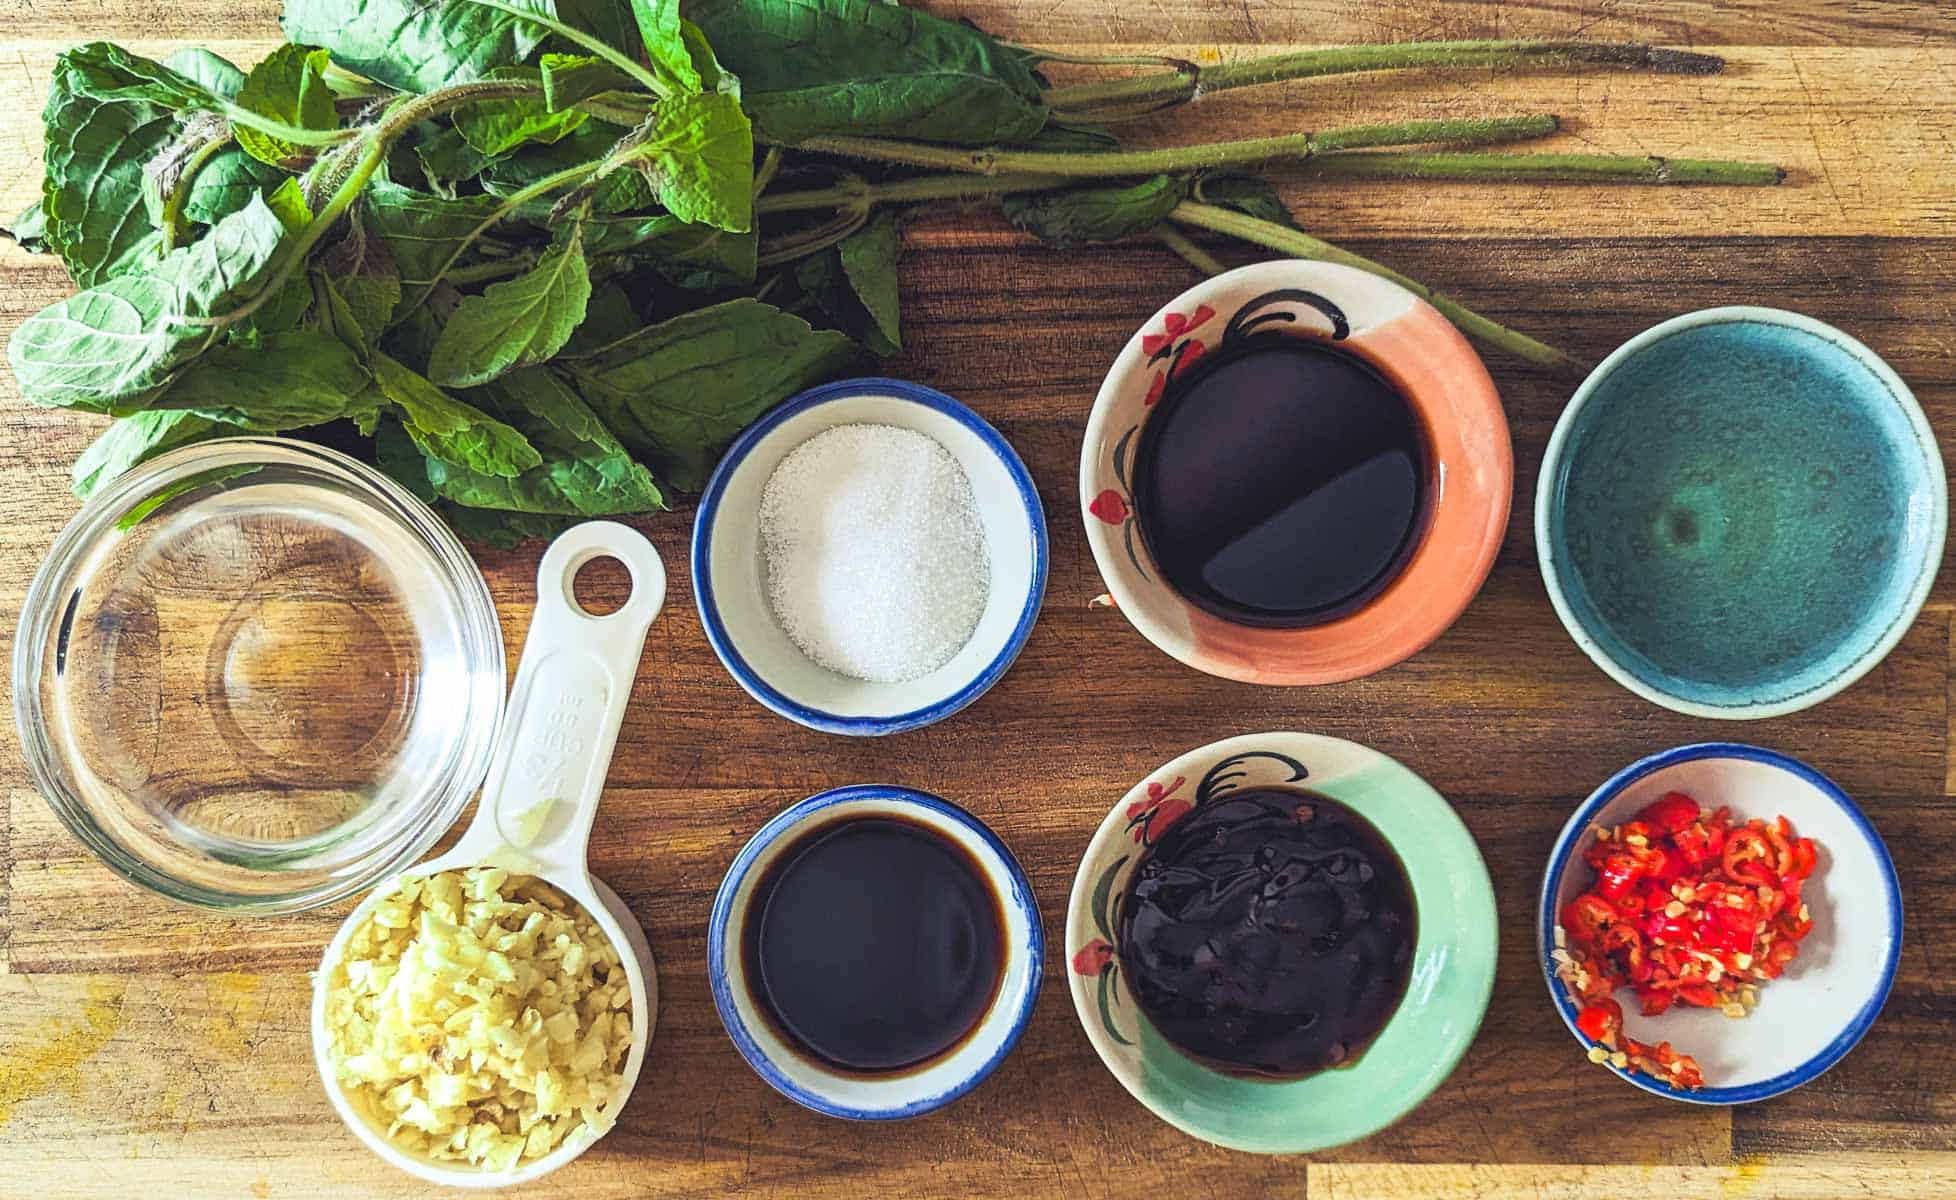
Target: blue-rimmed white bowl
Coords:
[(729, 568), (895, 1095), (1809, 1018)]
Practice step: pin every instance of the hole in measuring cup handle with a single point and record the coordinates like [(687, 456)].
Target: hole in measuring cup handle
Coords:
[(584, 544)]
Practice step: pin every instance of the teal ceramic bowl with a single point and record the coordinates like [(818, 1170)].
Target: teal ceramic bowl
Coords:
[(1453, 958), (1740, 513)]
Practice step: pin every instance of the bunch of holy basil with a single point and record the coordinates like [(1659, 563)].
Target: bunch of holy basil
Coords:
[(510, 247)]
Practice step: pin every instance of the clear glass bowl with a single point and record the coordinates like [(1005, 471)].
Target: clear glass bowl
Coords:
[(257, 676)]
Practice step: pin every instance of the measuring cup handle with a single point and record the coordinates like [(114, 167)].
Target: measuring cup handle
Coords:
[(572, 684)]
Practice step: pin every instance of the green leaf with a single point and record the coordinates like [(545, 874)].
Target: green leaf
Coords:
[(416, 45), (92, 194), (448, 160), (690, 255), (1252, 194), (610, 20), (621, 191), (421, 231), (450, 430), (226, 183), (283, 381), (212, 71), (1074, 139), (361, 285), (697, 152), (585, 471), (518, 322), (495, 127), (398, 458), (568, 78), (136, 439), (503, 530), (852, 286), (713, 76), (810, 68), (108, 72), (290, 87), (105, 347), (869, 260), (30, 229), (1080, 216), (658, 27), (677, 392), (608, 317)]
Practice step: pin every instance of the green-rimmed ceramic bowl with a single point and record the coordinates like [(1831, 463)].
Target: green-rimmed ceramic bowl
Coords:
[(1453, 960)]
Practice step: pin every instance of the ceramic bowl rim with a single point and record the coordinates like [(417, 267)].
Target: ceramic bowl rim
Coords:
[(1547, 510), (1564, 853), (1130, 360), (1020, 897), (1080, 902), (750, 680)]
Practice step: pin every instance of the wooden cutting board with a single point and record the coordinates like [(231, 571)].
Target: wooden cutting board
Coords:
[(149, 1051)]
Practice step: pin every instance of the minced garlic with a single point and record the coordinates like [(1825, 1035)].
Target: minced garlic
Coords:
[(480, 1017)]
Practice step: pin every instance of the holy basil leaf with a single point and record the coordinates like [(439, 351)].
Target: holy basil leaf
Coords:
[(398, 458), (30, 229), (416, 45), (225, 183), (585, 472), (136, 439), (810, 68), (447, 160), (1074, 139), (92, 195), (495, 127), (608, 317), (290, 87), (361, 284), (213, 71), (1079, 216), (103, 348), (421, 231), (283, 381), (503, 530), (110, 73), (568, 78), (658, 28), (852, 286), (450, 430), (692, 255), (869, 261), (1252, 194), (713, 76), (677, 392), (620, 191), (697, 152), (518, 322)]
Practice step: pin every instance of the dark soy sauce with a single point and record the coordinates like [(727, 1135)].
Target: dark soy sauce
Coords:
[(1269, 933), (1281, 482), (874, 944)]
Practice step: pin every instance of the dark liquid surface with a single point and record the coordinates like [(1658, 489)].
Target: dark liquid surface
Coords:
[(1269, 933), (1281, 482), (874, 944)]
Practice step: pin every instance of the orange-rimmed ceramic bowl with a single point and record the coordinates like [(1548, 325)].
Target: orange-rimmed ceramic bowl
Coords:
[(1432, 366)]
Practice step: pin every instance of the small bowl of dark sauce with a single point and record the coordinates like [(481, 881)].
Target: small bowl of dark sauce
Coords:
[(1281, 942), (874, 952), (1295, 473)]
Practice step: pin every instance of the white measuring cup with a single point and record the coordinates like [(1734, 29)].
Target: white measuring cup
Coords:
[(538, 801)]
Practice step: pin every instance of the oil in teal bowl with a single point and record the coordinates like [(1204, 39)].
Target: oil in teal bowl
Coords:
[(1740, 512)]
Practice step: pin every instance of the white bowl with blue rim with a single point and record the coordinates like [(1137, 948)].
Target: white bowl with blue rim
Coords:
[(729, 568), (896, 1095), (1809, 1018)]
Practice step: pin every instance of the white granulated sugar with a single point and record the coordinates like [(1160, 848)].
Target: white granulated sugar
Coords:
[(877, 566)]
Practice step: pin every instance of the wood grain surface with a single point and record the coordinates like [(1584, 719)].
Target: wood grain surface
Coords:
[(147, 1050)]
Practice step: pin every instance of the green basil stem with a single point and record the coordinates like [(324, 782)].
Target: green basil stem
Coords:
[(1195, 255), (401, 117), (515, 200), (1180, 65), (172, 215), (764, 174), (495, 268), (1180, 86), (1550, 168), (611, 54), (1285, 240), (803, 243), (906, 191), (286, 133), (1121, 163)]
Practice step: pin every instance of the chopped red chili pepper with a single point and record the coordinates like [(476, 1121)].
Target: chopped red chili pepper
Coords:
[(1686, 908)]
